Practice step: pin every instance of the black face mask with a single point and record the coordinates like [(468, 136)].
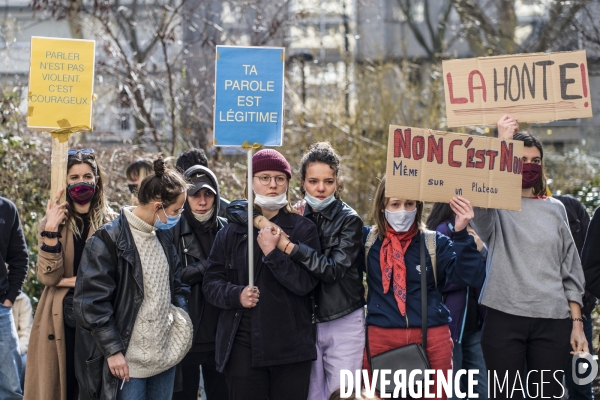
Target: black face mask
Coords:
[(133, 189)]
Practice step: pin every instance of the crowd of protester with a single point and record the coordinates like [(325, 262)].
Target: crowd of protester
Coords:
[(154, 301)]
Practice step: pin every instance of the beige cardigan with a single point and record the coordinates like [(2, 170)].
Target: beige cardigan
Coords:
[(22, 314)]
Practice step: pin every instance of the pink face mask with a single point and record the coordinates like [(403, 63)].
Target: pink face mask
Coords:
[(531, 173), (81, 192)]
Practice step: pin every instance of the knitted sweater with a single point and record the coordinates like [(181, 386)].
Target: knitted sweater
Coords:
[(533, 269), (162, 333)]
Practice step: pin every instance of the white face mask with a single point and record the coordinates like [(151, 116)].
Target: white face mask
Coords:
[(271, 203), (204, 217), (402, 220), (318, 204)]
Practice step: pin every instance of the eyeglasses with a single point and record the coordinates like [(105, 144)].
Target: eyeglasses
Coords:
[(83, 152), (280, 180), (176, 213)]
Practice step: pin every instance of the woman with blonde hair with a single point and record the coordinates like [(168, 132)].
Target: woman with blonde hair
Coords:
[(62, 235)]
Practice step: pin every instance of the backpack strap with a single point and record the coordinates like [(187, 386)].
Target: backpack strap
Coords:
[(431, 246), (371, 238)]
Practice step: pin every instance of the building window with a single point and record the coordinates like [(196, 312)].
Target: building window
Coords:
[(124, 123)]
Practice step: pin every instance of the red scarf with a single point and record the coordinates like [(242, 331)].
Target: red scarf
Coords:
[(392, 263)]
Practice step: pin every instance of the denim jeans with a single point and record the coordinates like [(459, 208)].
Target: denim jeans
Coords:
[(468, 355), (23, 364), (583, 392), (10, 358), (157, 387)]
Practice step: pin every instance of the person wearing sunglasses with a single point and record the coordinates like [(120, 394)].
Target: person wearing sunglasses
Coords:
[(265, 339), (61, 236), (129, 303), (136, 172)]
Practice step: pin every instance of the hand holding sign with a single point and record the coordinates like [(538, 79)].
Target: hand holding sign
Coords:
[(249, 296), (56, 212), (507, 127), (464, 212)]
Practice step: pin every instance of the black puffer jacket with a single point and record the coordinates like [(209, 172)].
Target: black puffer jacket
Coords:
[(108, 295), (338, 265), (195, 262)]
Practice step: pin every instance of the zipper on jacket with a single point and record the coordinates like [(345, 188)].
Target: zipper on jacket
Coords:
[(462, 328), (406, 315)]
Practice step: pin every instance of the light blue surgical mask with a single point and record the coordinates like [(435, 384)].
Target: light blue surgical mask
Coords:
[(171, 221), (318, 204)]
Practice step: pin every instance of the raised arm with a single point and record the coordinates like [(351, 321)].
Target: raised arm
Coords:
[(460, 260), (50, 263)]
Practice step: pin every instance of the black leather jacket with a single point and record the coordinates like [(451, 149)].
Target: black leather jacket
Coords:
[(338, 266), (108, 294)]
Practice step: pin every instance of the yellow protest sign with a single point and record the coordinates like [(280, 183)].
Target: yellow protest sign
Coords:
[(61, 84)]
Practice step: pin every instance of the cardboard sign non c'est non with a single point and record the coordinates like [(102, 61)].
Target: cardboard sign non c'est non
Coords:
[(535, 87), (249, 96), (435, 166), (61, 83)]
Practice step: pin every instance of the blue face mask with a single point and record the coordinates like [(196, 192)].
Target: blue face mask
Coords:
[(171, 221)]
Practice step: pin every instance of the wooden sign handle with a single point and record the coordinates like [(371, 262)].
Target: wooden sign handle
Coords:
[(60, 148)]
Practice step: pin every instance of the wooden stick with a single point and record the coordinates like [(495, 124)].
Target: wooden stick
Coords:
[(60, 149)]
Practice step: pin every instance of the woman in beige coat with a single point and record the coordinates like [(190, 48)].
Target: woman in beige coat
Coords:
[(62, 234)]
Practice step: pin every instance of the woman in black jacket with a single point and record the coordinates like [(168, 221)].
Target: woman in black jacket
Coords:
[(129, 303), (265, 348), (194, 237), (339, 296)]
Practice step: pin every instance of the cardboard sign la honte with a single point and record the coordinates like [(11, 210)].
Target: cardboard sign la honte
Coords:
[(435, 166), (535, 87)]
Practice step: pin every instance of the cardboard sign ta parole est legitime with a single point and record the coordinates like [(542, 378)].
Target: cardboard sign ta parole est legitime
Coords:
[(435, 166), (535, 87), (61, 83)]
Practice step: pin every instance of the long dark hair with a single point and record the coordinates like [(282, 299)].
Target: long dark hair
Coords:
[(529, 140), (99, 212), (440, 212), (165, 185)]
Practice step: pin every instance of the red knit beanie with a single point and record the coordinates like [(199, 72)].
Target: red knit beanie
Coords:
[(270, 160)]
